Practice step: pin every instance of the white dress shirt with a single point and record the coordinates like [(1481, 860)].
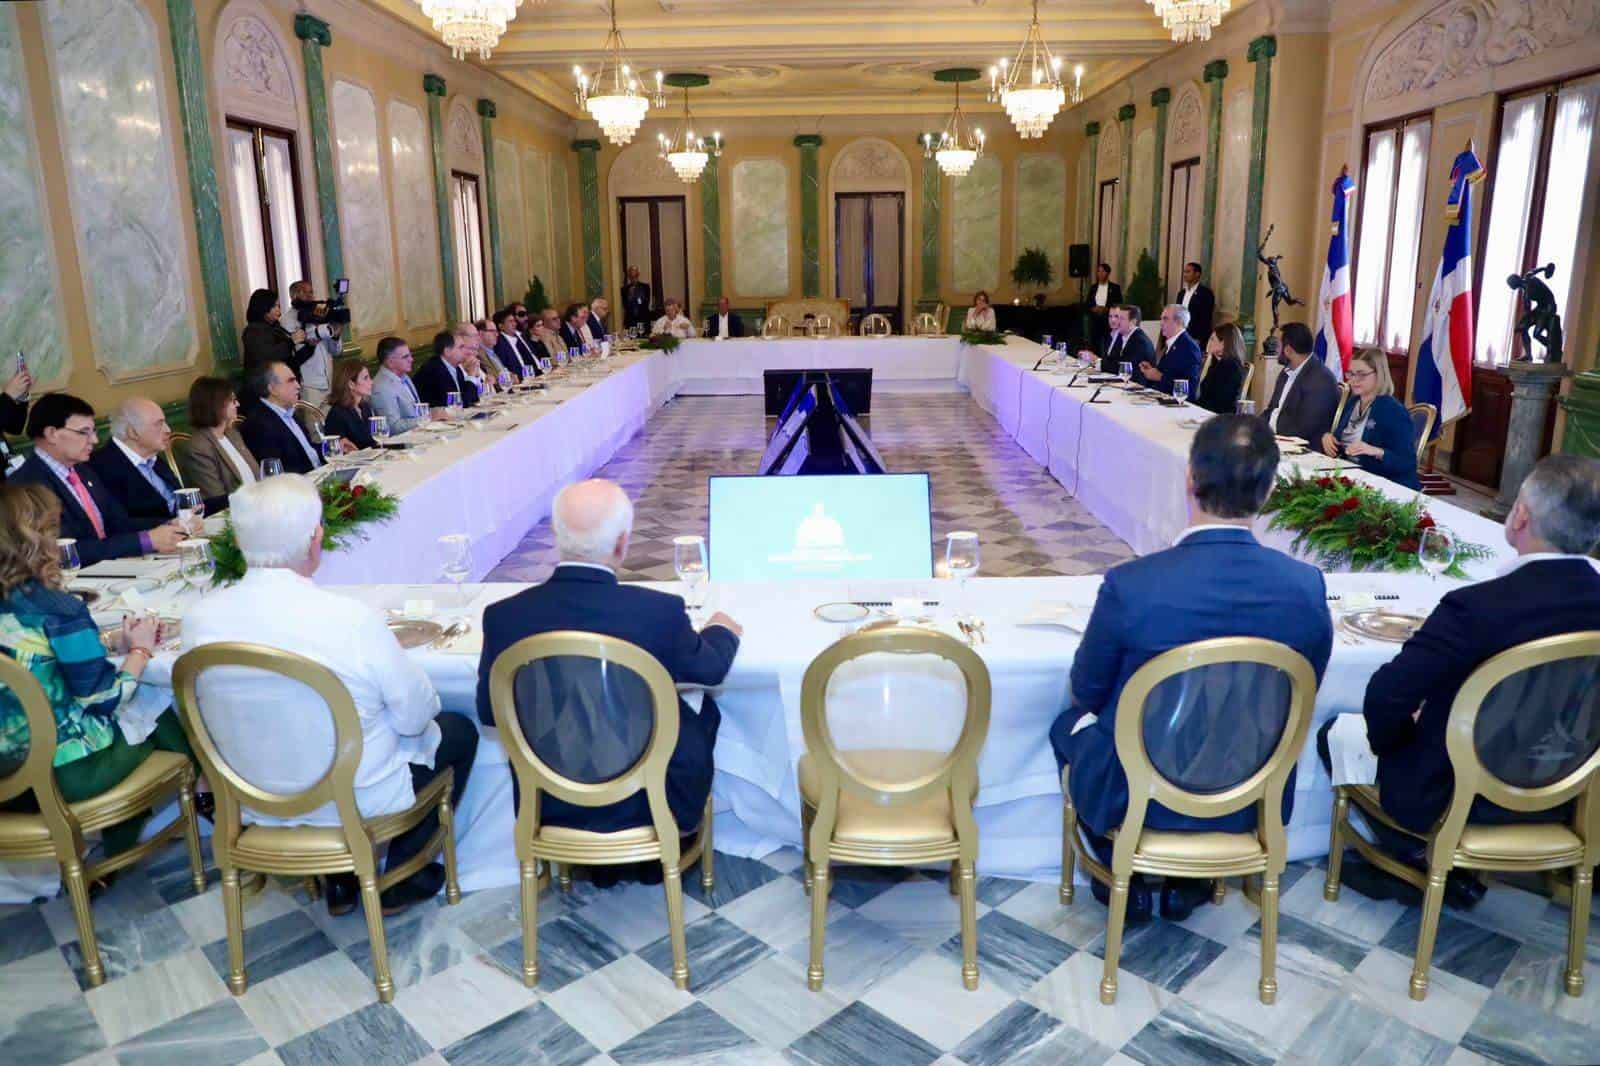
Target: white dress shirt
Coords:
[(1283, 397), (277, 734), (1102, 294), (147, 470), (679, 327), (1544, 557), (294, 427), (1188, 291), (235, 460), (720, 326), (983, 319)]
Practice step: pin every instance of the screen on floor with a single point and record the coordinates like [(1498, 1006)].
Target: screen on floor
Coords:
[(821, 526)]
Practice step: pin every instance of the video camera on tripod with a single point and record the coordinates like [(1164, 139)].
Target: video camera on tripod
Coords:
[(322, 319)]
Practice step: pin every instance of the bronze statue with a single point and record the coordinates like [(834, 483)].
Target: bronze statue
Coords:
[(1277, 288), (1540, 321)]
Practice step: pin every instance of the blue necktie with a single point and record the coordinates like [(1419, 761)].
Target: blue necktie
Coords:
[(157, 482)]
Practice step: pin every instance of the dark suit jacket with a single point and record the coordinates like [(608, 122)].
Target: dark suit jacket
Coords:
[(269, 438), (1182, 359), (1136, 349), (1308, 409), (122, 531), (571, 336), (1212, 583), (589, 599), (1388, 427), (13, 420), (268, 342), (350, 423), (636, 299), (597, 326), (1202, 309), (735, 324), (137, 496), (1113, 294), (510, 356), (1472, 624), (433, 380), (1219, 392)]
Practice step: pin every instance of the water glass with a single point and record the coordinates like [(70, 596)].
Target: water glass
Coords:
[(455, 559), (504, 379), (1180, 390), (1049, 340), (452, 404), (1436, 551), (67, 549), (961, 562), (271, 467), (1125, 372), (195, 563), (378, 426), (420, 411), (191, 508), (1246, 407), (689, 561), (330, 448)]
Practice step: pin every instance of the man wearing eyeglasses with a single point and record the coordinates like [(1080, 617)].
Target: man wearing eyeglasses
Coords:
[(63, 434)]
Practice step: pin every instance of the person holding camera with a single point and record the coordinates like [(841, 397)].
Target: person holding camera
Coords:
[(14, 398), (320, 323)]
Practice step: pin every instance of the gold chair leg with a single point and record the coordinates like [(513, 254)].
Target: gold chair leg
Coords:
[(1115, 918), (1269, 938), (564, 875), (191, 836), (708, 852), (955, 877), (1069, 855), (1578, 927), (373, 906), (94, 970), (1341, 812), (819, 924), (1432, 903), (672, 881), (1219, 891), (313, 888), (233, 919), (805, 846), (969, 927), (447, 821), (530, 923)]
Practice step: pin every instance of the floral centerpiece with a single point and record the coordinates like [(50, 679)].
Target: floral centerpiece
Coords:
[(346, 508), (982, 336), (1342, 522), (661, 342)]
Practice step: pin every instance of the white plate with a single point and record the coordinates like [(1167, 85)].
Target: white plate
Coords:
[(840, 612)]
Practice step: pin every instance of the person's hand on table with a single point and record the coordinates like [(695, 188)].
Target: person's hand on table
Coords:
[(1330, 445), (165, 539), (1084, 353), (1361, 447), (1150, 373), (438, 414), (140, 631), (348, 446), (720, 619)]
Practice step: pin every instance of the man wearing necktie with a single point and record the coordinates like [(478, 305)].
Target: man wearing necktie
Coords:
[(442, 374), (1127, 344), (271, 429), (133, 465)]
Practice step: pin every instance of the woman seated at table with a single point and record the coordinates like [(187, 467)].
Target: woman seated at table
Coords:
[(217, 461), (1220, 387), (350, 404), (1375, 429), (980, 315), (49, 632)]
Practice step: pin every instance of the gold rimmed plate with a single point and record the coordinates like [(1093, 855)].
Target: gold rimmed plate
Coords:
[(1378, 623), (842, 611), (415, 632)]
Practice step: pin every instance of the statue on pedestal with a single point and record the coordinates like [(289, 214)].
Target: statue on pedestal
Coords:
[(1540, 321), (1277, 288)]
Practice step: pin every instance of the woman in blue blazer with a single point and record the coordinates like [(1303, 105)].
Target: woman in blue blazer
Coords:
[(1375, 429)]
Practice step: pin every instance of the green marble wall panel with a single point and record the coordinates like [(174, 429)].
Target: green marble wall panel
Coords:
[(32, 319), (560, 288), (536, 184), (760, 228), (123, 183), (1232, 185), (1085, 196), (410, 173), (513, 227), (363, 210), (1137, 203), (975, 228), (1042, 208), (711, 230), (589, 202), (932, 187), (810, 215)]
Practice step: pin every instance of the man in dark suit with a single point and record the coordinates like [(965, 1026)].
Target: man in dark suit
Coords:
[(1217, 581), (725, 323), (442, 374), (509, 348), (599, 308), (636, 300), (133, 464), (572, 326), (62, 429), (1199, 301), (13, 412), (1180, 360), (1104, 294), (271, 430), (593, 521), (1306, 397), (1126, 344)]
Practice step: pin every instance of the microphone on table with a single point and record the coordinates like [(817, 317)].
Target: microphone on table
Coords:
[(1042, 358), (1095, 396), (1072, 382)]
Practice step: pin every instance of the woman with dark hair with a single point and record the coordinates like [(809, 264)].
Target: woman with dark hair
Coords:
[(980, 315), (263, 340), (1224, 380), (350, 404), (217, 461)]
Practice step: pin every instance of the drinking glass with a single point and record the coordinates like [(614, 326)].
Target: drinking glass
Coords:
[(961, 562), (195, 563), (1049, 340), (420, 411), (1246, 407), (329, 447), (504, 380), (1180, 390), (452, 404), (455, 557), (271, 467), (191, 508), (378, 426), (1436, 551), (1125, 372), (67, 548), (689, 560)]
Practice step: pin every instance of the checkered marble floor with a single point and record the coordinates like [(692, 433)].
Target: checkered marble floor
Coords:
[(1027, 524), (892, 997)]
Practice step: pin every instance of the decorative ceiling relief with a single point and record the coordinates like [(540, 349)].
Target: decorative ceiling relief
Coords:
[(253, 61), (1186, 133), (870, 164)]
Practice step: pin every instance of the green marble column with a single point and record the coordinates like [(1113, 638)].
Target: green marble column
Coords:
[(1158, 177), (1261, 51), (201, 160), (1091, 133), (810, 215), (434, 86), (932, 186), (314, 36), (1582, 404), (1125, 116), (486, 114), (1216, 74), (594, 276), (711, 233)]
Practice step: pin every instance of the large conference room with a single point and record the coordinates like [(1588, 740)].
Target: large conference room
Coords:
[(886, 532)]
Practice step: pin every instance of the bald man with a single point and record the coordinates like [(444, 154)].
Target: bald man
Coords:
[(593, 521), (133, 465)]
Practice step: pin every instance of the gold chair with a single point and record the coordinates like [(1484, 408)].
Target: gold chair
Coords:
[(310, 411), (774, 326), (925, 325), (1209, 758), (874, 806), (566, 679), (301, 851), (1524, 734), (1244, 386), (1338, 411), (56, 830), (876, 325), (823, 326), (172, 453), (1205, 368), (941, 315), (1423, 417)]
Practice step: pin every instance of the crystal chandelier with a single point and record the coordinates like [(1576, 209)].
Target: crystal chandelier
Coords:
[(470, 25), (959, 146), (613, 98), (685, 152), (1190, 20), (1031, 89)]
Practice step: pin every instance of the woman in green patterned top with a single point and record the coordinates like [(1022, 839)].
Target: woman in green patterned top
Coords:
[(49, 631)]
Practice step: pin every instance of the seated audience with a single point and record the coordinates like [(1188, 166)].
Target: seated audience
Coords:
[(264, 340), (13, 413), (472, 368), (725, 323), (1180, 361), (593, 521), (350, 404), (488, 337), (272, 428), (549, 339), (980, 315), (1224, 380), (133, 465), (394, 394), (517, 333), (1216, 581), (573, 331), (273, 735), (674, 322), (442, 374), (1375, 429), (1126, 343), (1306, 396), (63, 434), (218, 460), (49, 632), (499, 336)]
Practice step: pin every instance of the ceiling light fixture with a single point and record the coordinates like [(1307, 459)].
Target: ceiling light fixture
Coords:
[(470, 25), (1190, 20), (959, 146), (614, 97), (685, 151), (1031, 88)]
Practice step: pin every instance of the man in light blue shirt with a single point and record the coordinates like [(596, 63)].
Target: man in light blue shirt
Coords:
[(271, 429), (394, 395)]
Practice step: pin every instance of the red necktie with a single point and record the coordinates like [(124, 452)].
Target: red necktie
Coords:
[(85, 500)]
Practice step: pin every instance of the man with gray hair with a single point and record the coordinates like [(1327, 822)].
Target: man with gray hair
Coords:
[(280, 739), (593, 521), (133, 463), (1180, 356), (1552, 587)]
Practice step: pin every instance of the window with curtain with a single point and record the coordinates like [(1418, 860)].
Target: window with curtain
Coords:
[(1535, 215), (471, 274), (1182, 242), (1394, 188), (266, 186)]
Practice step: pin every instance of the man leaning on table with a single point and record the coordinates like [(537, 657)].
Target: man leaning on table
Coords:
[(275, 737), (674, 322), (1552, 587), (593, 521), (1306, 397), (1216, 581)]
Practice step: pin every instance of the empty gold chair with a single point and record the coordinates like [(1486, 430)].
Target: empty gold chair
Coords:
[(823, 327), (1524, 734), (56, 830), (591, 744), (876, 325), (774, 326), (1249, 379), (1205, 730), (300, 851), (868, 799), (1423, 417), (925, 325)]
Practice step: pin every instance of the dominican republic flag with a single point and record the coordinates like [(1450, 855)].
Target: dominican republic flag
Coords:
[(1334, 329), (1444, 362)]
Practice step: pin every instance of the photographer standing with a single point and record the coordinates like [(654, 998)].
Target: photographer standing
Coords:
[(264, 339), (320, 323)]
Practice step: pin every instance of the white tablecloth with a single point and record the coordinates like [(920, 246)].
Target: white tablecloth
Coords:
[(735, 366)]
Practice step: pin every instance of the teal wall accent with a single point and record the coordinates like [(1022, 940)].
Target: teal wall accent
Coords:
[(1261, 51), (932, 185), (434, 86), (486, 115), (711, 232), (1158, 172), (1125, 116), (810, 215), (594, 275), (314, 36), (1216, 74), (1091, 133)]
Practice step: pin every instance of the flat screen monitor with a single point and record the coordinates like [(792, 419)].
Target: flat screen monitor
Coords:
[(855, 384), (821, 526)]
